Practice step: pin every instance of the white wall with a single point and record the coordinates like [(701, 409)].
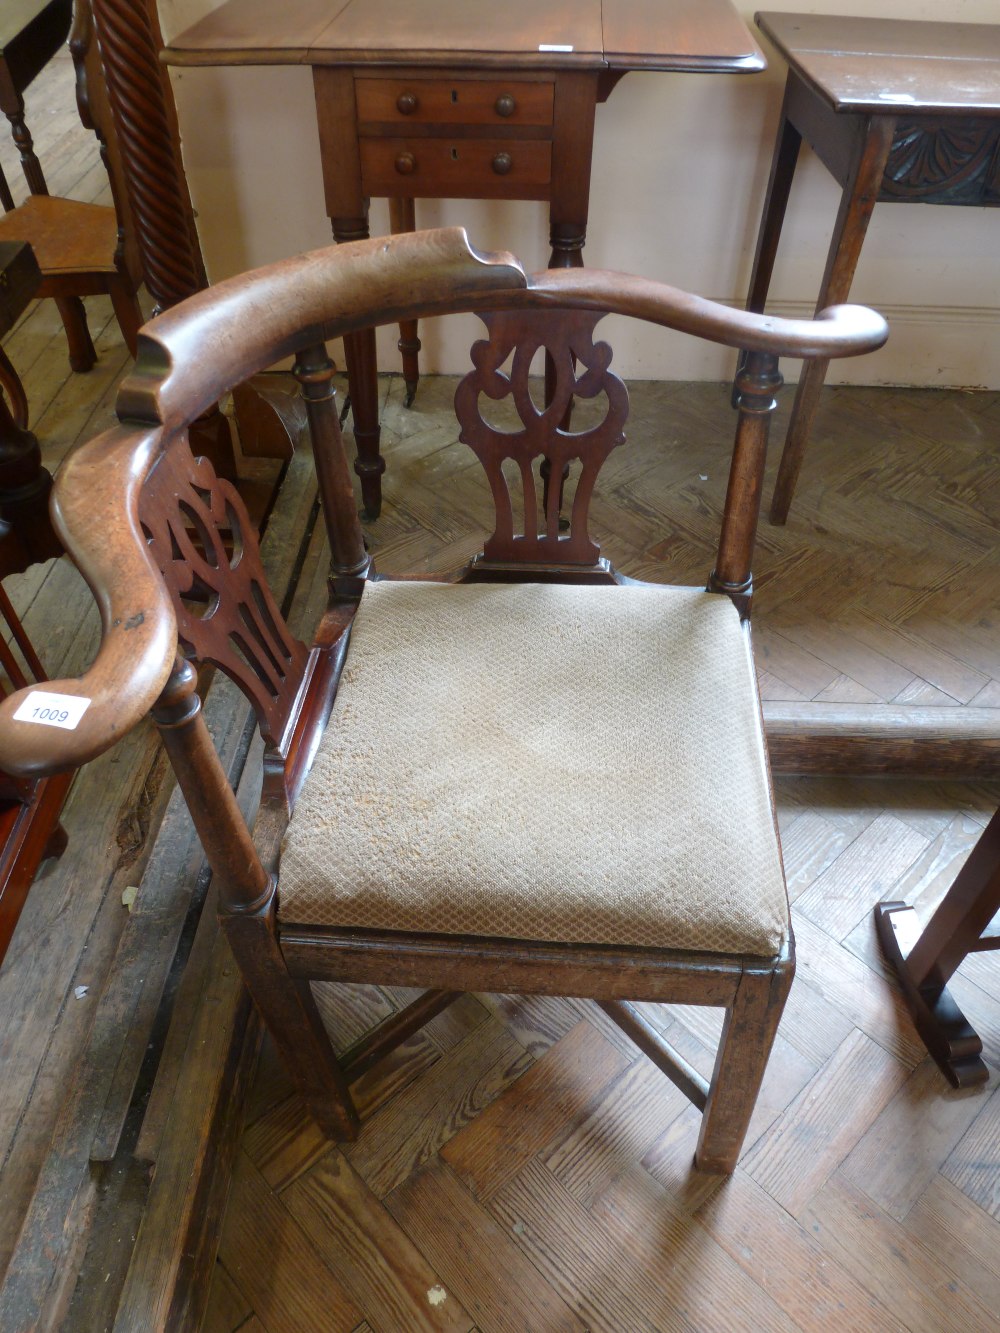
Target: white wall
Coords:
[(680, 165)]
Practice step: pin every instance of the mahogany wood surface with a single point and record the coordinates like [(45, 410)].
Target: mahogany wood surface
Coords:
[(875, 64), (628, 33), (882, 739), (897, 110), (452, 135), (177, 557)]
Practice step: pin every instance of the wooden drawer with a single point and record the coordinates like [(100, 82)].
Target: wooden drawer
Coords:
[(444, 168), (436, 101)]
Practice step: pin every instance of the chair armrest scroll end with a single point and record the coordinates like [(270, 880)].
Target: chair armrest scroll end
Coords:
[(58, 725)]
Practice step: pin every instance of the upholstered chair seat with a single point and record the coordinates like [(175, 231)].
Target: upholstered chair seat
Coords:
[(469, 782)]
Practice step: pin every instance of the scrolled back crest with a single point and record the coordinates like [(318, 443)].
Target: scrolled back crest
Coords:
[(205, 545), (578, 368)]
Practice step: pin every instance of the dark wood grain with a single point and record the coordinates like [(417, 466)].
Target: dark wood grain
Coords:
[(882, 739)]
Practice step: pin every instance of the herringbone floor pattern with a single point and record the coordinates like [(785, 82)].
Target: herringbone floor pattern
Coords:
[(521, 1165)]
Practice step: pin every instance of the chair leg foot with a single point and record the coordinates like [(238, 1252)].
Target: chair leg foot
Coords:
[(82, 356), (747, 1037), (290, 1014)]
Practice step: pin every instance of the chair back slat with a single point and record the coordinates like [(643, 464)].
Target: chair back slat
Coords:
[(205, 544), (577, 371)]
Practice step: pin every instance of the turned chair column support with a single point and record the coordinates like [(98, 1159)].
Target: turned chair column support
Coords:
[(247, 906), (242, 882), (757, 382), (314, 371)]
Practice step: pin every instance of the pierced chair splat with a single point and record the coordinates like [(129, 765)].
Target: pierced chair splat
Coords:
[(534, 775)]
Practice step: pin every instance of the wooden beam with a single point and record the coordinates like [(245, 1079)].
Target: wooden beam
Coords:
[(887, 739)]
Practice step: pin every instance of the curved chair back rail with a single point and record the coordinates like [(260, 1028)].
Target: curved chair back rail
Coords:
[(254, 320), (197, 351)]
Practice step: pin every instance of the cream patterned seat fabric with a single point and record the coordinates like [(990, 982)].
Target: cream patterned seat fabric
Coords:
[(544, 762)]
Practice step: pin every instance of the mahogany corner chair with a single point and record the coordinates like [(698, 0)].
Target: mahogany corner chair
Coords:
[(535, 775)]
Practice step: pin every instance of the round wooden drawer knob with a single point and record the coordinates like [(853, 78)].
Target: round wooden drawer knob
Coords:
[(502, 163), (406, 164), (406, 103), (505, 105)]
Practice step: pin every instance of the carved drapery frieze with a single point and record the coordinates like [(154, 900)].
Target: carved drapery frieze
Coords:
[(539, 439), (204, 544), (944, 162)]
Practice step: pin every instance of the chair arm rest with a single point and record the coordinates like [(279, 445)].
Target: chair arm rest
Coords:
[(95, 509), (253, 320), (840, 330)]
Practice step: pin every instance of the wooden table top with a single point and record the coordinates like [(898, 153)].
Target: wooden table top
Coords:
[(898, 66), (696, 35), (27, 26)]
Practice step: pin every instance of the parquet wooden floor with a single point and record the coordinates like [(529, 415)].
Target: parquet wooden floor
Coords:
[(520, 1165)]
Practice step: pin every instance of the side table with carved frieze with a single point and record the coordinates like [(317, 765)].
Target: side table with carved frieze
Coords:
[(898, 111)]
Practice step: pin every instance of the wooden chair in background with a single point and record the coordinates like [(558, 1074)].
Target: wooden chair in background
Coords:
[(31, 32), (538, 776), (84, 249), (29, 808), (925, 960)]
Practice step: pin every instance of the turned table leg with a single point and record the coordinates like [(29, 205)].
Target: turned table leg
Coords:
[(362, 376), (402, 218), (567, 242)]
